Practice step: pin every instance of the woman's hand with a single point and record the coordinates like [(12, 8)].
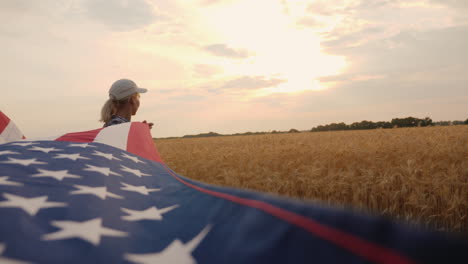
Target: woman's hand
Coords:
[(149, 124)]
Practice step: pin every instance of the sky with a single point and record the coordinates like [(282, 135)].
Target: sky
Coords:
[(233, 66)]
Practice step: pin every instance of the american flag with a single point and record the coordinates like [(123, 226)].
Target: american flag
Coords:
[(106, 196)]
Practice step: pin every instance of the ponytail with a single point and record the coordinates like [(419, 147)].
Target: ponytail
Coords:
[(107, 111)]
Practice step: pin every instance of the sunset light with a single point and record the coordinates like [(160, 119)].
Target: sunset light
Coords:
[(234, 65)]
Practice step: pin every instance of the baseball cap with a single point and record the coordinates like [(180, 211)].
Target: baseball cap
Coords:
[(123, 88)]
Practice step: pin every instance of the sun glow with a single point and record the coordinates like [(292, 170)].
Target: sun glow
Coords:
[(277, 46)]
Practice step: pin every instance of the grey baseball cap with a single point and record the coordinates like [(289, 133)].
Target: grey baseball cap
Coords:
[(123, 88)]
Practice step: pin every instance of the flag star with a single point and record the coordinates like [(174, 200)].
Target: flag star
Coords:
[(81, 145), (23, 144), (59, 175), (139, 189), (4, 260), (90, 231), (73, 157), (8, 152), (45, 150), (105, 155), (103, 170), (4, 181), (135, 159), (151, 213), (100, 192), (29, 205), (176, 252), (134, 171), (24, 162)]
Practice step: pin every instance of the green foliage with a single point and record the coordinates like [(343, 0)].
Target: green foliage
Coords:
[(396, 122), (292, 130), (466, 121), (411, 122), (210, 134)]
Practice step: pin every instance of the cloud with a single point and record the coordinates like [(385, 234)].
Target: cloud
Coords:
[(341, 40), (122, 15), (209, 2), (188, 98), (223, 50), (204, 70), (251, 83), (399, 75), (452, 3), (407, 51), (324, 8), (310, 22)]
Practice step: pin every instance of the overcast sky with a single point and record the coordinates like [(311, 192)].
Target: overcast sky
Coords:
[(232, 66)]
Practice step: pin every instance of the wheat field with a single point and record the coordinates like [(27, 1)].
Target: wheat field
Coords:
[(415, 175)]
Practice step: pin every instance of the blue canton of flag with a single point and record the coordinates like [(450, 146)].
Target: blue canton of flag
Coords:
[(84, 203)]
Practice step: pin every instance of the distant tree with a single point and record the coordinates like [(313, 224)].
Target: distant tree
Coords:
[(292, 130), (210, 134), (404, 122), (367, 125), (424, 122), (382, 124), (466, 121), (411, 122), (355, 126), (337, 126)]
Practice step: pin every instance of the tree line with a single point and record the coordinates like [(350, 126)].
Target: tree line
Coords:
[(394, 123)]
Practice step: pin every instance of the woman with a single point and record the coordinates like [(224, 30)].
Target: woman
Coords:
[(123, 103)]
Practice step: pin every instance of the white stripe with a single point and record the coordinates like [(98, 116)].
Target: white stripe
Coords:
[(10, 133), (51, 138), (116, 135)]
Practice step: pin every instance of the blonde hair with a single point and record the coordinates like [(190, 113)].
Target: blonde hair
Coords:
[(111, 107)]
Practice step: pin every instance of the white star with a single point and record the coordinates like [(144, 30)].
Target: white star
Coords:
[(107, 156), (24, 162), (139, 189), (176, 252), (8, 152), (100, 192), (103, 170), (135, 159), (134, 171), (23, 144), (90, 231), (4, 181), (29, 205), (45, 150), (69, 156), (151, 213), (4, 260), (59, 175), (81, 145)]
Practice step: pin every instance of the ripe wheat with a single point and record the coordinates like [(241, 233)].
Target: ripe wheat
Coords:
[(417, 175)]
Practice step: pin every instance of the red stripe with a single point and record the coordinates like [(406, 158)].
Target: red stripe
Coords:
[(87, 136), (4, 120), (141, 143), (354, 244)]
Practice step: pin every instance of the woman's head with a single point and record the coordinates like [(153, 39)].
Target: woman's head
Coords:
[(124, 98), (123, 88)]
